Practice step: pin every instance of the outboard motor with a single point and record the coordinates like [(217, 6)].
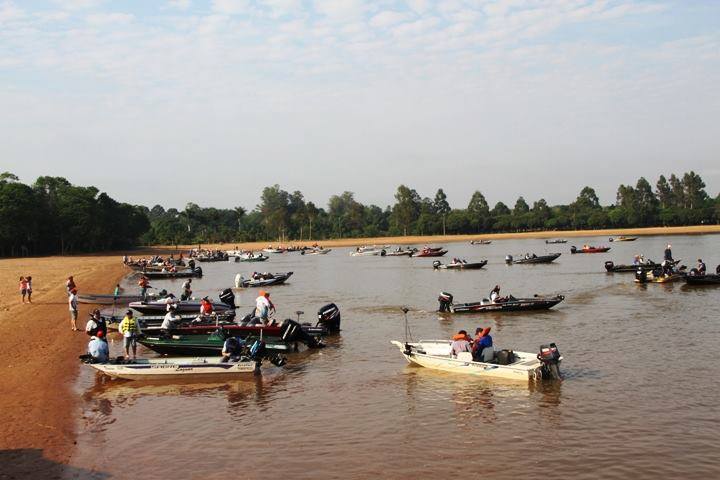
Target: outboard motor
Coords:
[(228, 298), (191, 264), (198, 271), (641, 275), (573, 249), (509, 259), (329, 317), (436, 264), (549, 357), (445, 299), (291, 331), (609, 265), (383, 252)]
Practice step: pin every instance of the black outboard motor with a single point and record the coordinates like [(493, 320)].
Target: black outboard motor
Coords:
[(609, 265), (641, 275), (198, 271), (509, 259), (445, 299), (549, 357), (291, 331), (436, 264), (228, 298), (573, 249), (191, 264), (329, 317)]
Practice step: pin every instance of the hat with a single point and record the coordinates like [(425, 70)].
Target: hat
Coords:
[(99, 334), (262, 293), (129, 312), (267, 294)]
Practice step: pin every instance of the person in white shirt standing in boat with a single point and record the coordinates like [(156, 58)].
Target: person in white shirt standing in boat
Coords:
[(171, 319), (263, 307)]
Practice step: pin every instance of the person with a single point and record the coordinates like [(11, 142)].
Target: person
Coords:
[(717, 270), (70, 284), (144, 284), (206, 306), (495, 294), (23, 288), (96, 324), (636, 260), (668, 254), (461, 343), (98, 348), (232, 349), (171, 319), (186, 290), (483, 340), (263, 306), (130, 330), (73, 304), (702, 268), (170, 302), (116, 292)]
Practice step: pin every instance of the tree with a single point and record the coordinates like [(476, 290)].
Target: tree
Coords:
[(442, 207), (664, 192), (693, 191), (521, 207), (274, 206), (478, 211), (406, 209)]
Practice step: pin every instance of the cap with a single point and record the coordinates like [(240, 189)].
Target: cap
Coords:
[(262, 293), (129, 312), (99, 334)]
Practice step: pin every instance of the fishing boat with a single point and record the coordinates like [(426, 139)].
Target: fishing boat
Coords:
[(316, 251), (368, 253), (401, 252), (273, 250), (262, 280), (430, 252), (657, 276), (555, 241), (480, 242), (151, 323), (227, 302), (188, 273), (173, 368), (610, 267), (506, 364), (461, 265), (216, 257), (622, 239), (103, 299), (532, 259), (588, 249), (251, 257), (698, 279), (511, 304)]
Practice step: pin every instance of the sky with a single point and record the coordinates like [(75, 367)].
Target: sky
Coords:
[(209, 101)]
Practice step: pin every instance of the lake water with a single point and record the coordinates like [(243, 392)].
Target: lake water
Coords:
[(639, 396)]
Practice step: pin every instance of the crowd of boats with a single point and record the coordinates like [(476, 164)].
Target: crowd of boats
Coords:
[(222, 342)]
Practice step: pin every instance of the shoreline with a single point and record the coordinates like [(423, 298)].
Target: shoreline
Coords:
[(39, 410), (432, 239)]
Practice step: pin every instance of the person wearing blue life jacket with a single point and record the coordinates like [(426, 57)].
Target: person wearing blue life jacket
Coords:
[(483, 345)]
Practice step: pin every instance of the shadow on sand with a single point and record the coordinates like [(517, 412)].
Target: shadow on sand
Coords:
[(29, 463)]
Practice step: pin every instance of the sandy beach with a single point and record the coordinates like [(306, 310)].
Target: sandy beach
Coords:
[(436, 239), (38, 410)]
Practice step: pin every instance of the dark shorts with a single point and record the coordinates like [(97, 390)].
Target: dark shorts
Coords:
[(23, 291), (130, 342)]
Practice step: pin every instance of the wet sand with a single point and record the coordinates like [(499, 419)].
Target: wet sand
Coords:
[(38, 409), (433, 239)]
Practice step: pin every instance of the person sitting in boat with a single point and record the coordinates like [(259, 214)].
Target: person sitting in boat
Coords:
[(232, 349), (96, 324), (483, 341), (98, 348), (701, 268), (171, 320), (495, 294), (186, 290), (461, 343), (206, 307), (636, 260)]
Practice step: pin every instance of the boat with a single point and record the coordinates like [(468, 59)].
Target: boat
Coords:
[(103, 299), (622, 239), (512, 304), (430, 252), (588, 249), (698, 279), (610, 267), (216, 257), (273, 250), (367, 253), (480, 242), (262, 280), (149, 323), (188, 273), (170, 368), (437, 265), (251, 257), (532, 259), (227, 302), (657, 276), (507, 364), (556, 241), (316, 251)]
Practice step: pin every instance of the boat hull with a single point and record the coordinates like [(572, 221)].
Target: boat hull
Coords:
[(461, 266), (517, 305), (535, 260), (278, 279), (178, 368), (703, 279)]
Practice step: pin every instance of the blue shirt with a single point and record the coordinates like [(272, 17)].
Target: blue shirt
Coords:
[(485, 341), (99, 350)]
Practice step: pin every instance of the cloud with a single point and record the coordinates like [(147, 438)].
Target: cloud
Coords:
[(387, 18), (78, 4), (230, 7), (339, 10), (179, 4), (101, 19)]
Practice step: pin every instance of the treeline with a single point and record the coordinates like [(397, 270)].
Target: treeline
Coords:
[(282, 216), (53, 216)]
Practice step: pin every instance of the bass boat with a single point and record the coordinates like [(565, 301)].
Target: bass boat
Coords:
[(227, 297), (623, 239), (511, 304), (588, 249), (400, 252), (480, 242), (251, 257), (506, 364), (430, 252), (316, 251), (531, 259), (657, 276), (556, 241), (610, 267), (101, 299), (437, 265), (262, 280), (698, 279), (188, 273)]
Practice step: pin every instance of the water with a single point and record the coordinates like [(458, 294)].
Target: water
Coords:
[(639, 396)]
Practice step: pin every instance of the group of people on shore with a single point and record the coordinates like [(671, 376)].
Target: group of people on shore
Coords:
[(26, 289), (481, 347)]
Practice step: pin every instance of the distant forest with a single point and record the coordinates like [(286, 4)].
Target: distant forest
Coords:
[(54, 216)]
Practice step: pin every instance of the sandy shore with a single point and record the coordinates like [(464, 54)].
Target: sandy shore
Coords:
[(38, 410), (434, 239)]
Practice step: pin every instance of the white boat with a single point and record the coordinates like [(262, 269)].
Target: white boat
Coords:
[(316, 251), (161, 368), (251, 257), (367, 252), (435, 354), (273, 250)]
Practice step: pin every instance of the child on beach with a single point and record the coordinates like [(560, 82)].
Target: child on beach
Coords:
[(29, 289), (23, 288)]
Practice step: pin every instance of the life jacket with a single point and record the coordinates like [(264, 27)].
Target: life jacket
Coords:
[(460, 336), (206, 307), (128, 325)]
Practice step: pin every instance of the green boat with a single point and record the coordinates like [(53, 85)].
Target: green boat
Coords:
[(209, 345)]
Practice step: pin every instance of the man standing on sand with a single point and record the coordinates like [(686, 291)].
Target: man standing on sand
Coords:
[(73, 304), (70, 284)]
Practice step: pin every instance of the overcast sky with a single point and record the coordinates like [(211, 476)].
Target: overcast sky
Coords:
[(211, 100)]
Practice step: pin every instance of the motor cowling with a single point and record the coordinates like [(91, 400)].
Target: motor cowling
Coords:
[(198, 271), (329, 317), (509, 259), (228, 298), (609, 265), (436, 264), (291, 331), (641, 275), (549, 357), (445, 299), (573, 249)]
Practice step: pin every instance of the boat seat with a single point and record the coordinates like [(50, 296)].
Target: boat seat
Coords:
[(465, 356), (488, 355)]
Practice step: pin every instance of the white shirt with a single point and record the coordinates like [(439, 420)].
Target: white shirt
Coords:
[(262, 302), (168, 321), (72, 302), (494, 296)]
